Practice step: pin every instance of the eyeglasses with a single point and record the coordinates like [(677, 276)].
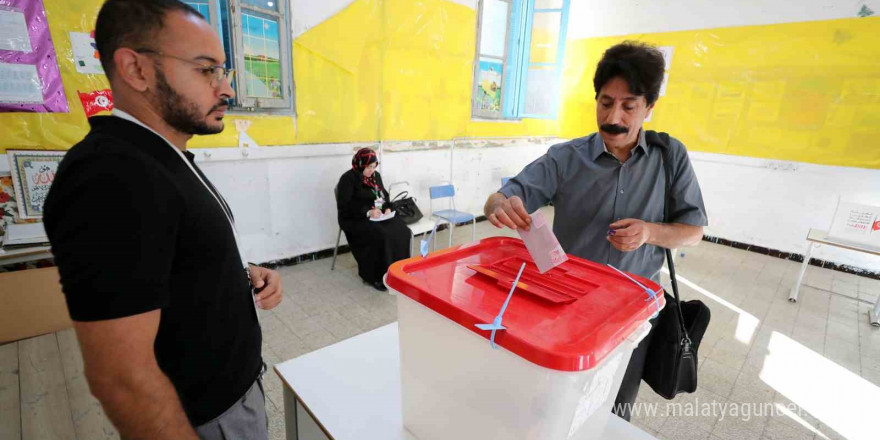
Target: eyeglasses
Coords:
[(216, 72)]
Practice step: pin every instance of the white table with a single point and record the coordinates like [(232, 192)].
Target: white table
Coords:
[(820, 237), (351, 390)]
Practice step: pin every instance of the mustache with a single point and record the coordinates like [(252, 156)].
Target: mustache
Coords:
[(613, 129), (218, 105)]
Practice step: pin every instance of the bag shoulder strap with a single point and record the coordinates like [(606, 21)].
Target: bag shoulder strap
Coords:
[(662, 140), (400, 196)]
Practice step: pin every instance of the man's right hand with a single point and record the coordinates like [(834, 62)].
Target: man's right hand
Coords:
[(375, 213), (510, 212)]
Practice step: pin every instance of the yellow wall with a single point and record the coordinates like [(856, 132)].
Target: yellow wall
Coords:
[(402, 70), (393, 70), (58, 130), (54, 131), (807, 92)]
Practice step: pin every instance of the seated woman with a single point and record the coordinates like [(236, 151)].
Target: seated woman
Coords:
[(361, 197)]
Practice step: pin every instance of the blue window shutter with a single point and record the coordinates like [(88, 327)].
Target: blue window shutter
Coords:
[(549, 81), (513, 68)]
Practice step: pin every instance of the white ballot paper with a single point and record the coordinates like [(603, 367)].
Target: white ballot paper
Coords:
[(542, 243)]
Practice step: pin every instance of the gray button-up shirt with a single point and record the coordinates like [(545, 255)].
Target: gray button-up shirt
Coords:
[(590, 189)]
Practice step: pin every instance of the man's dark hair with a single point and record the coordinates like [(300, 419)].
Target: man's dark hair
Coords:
[(639, 64), (133, 24)]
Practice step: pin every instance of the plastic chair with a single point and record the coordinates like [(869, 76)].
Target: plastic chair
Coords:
[(420, 227), (451, 216)]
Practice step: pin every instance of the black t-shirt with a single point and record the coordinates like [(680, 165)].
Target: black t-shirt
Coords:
[(134, 230)]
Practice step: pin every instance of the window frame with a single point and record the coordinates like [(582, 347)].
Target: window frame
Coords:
[(517, 61), (242, 101), (480, 113), (526, 62)]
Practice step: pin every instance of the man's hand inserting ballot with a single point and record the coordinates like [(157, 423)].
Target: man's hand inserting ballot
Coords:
[(510, 212), (267, 283)]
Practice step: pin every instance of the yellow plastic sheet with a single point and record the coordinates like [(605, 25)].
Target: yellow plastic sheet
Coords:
[(807, 92), (57, 131), (393, 70), (403, 70)]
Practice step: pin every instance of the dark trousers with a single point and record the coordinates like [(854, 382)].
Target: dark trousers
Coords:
[(376, 245), (632, 379)]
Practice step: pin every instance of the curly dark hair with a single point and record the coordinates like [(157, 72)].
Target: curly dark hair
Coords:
[(639, 64), (133, 24)]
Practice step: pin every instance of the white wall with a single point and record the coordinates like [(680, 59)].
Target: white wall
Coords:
[(282, 197), (306, 14), (602, 18), (774, 204), (283, 202)]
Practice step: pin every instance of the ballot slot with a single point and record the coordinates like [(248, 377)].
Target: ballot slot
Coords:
[(558, 286)]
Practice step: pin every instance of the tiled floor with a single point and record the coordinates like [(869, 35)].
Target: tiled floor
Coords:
[(769, 369)]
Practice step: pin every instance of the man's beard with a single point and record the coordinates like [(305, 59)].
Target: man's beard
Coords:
[(180, 113)]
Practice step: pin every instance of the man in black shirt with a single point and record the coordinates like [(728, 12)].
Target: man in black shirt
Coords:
[(152, 270)]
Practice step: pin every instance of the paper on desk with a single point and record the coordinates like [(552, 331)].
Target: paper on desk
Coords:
[(383, 217), (542, 243)]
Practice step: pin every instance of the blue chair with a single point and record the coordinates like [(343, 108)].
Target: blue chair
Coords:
[(504, 180), (451, 216)]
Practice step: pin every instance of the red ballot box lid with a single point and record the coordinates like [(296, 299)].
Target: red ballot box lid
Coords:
[(567, 319)]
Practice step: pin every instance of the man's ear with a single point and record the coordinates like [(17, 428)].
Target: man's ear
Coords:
[(132, 68), (650, 110)]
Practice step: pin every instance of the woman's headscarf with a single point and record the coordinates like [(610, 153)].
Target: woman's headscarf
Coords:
[(360, 161)]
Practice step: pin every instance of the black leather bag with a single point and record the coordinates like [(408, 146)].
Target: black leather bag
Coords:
[(671, 362), (406, 208)]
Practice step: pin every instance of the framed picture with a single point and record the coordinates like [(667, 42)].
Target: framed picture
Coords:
[(33, 172), (8, 209)]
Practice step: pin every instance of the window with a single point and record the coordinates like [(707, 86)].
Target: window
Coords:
[(256, 39), (518, 65), (202, 6)]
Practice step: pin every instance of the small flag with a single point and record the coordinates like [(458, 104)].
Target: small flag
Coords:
[(96, 102)]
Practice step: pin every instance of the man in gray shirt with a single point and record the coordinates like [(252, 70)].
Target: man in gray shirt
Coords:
[(608, 189)]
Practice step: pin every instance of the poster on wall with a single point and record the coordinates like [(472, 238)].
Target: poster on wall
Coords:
[(20, 84), (13, 31), (30, 80), (32, 175), (489, 86), (85, 53), (856, 223)]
